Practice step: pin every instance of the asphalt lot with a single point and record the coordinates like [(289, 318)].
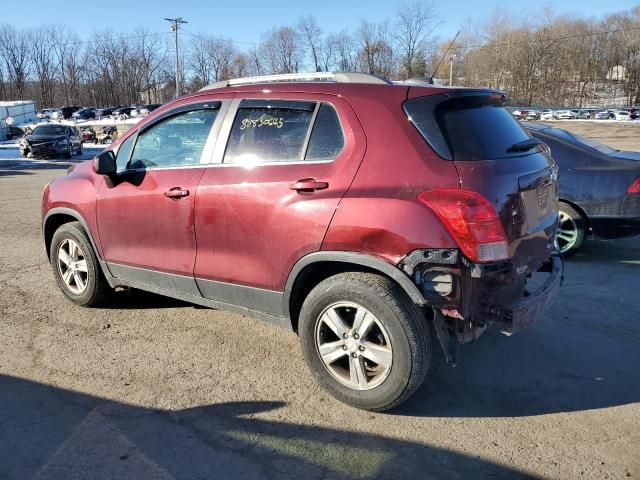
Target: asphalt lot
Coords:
[(152, 388)]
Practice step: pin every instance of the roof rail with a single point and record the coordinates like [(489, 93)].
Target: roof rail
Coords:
[(335, 77)]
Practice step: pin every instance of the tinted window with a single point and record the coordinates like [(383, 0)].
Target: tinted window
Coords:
[(326, 138), (175, 141), (269, 132), (124, 152), (473, 127)]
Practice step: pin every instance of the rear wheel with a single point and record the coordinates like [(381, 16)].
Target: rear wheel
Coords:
[(364, 340), (571, 230), (76, 267), (69, 152)]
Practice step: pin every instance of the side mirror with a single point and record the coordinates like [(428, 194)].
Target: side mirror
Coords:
[(105, 163)]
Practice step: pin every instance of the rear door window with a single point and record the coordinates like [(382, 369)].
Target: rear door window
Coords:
[(467, 127), (266, 131)]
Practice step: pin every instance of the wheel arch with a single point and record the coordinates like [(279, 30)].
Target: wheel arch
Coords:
[(580, 210), (316, 267), (55, 218)]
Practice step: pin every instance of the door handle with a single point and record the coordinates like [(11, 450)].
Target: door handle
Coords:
[(309, 185), (176, 192)]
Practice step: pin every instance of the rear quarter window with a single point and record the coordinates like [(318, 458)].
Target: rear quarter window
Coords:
[(468, 127)]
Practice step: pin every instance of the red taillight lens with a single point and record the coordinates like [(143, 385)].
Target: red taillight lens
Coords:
[(471, 220), (634, 187)]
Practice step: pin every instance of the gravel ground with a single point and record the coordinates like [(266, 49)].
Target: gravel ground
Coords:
[(152, 388)]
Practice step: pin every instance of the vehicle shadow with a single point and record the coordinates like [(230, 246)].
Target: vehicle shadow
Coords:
[(49, 432), (625, 251), (134, 299)]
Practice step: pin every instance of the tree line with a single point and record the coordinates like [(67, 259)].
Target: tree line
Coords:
[(538, 58)]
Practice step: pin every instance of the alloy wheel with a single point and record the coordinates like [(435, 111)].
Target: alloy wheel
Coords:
[(567, 233), (72, 266), (353, 345)]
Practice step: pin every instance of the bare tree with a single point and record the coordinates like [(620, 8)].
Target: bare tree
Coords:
[(414, 24), (15, 51), (343, 47), (282, 50), (311, 34), (376, 54)]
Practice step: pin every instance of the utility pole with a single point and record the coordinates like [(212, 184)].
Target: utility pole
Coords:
[(175, 24), (451, 70)]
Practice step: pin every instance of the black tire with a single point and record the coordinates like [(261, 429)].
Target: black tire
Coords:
[(79, 150), (69, 152), (97, 289), (580, 227), (403, 320)]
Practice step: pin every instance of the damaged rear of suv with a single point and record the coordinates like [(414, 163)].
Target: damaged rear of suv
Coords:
[(503, 219), (360, 214)]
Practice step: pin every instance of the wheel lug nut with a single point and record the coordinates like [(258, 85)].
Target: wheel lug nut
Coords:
[(354, 355), (344, 347), (356, 336), (361, 348), (345, 335)]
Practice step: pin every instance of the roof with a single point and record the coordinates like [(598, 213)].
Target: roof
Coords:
[(305, 77)]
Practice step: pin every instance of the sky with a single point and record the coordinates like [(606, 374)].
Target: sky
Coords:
[(246, 20)]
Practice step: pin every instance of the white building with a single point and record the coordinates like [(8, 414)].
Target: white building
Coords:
[(21, 111)]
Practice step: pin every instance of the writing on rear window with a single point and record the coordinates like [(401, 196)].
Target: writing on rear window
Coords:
[(263, 121)]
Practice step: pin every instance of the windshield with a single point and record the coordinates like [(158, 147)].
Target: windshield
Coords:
[(50, 130)]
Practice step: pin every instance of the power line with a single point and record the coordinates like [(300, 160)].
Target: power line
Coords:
[(128, 37), (222, 38)]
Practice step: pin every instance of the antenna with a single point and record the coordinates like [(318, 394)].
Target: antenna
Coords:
[(444, 56)]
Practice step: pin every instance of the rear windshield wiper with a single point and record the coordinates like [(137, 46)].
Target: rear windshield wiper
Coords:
[(524, 145)]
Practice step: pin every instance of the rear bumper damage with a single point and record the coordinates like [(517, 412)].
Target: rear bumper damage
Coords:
[(468, 298), (534, 304)]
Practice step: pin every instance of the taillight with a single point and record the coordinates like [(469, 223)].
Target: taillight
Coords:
[(634, 187), (471, 220)]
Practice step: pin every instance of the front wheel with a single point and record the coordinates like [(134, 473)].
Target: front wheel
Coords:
[(76, 267), (571, 230), (364, 340)]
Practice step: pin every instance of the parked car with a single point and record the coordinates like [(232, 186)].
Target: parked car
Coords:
[(530, 115), (51, 139), (583, 114), (634, 113), (599, 188), (619, 115), (147, 109), (46, 113), (429, 234), (546, 115), (122, 112), (84, 114), (65, 113), (602, 114), (105, 112), (564, 115)]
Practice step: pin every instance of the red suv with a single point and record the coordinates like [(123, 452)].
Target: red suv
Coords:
[(360, 214)]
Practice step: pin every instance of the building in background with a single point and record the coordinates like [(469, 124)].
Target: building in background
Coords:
[(21, 111)]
